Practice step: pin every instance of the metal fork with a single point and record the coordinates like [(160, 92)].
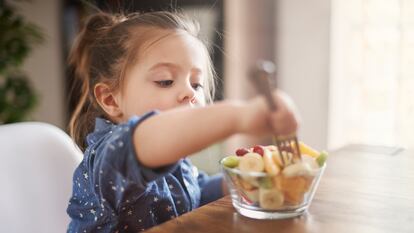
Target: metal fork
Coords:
[(286, 144)]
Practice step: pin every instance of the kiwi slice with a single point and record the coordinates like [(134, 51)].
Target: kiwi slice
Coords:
[(322, 158), (231, 161)]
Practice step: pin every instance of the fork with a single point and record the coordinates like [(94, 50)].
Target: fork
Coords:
[(286, 144)]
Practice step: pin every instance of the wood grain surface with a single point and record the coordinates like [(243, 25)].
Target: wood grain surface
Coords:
[(361, 191)]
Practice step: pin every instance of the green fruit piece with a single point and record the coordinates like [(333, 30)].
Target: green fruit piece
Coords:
[(231, 161), (322, 158), (266, 182)]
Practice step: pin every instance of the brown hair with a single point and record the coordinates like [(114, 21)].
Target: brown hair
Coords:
[(104, 50)]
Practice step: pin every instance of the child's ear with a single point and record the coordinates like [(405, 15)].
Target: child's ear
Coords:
[(107, 100)]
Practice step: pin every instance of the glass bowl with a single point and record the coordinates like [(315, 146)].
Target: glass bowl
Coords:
[(260, 195)]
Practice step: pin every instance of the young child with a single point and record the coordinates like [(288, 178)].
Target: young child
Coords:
[(147, 79)]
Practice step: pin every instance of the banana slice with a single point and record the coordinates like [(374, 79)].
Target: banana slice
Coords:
[(270, 166), (270, 198), (251, 162), (276, 158), (245, 185), (283, 159), (298, 169), (249, 182), (287, 158), (310, 160), (252, 195)]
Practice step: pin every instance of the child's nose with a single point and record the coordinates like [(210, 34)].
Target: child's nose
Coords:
[(187, 94)]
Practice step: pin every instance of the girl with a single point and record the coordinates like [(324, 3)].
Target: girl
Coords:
[(146, 81)]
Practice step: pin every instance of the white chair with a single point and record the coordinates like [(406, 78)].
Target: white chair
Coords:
[(37, 161)]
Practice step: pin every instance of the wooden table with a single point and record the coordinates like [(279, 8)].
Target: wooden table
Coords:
[(360, 192)]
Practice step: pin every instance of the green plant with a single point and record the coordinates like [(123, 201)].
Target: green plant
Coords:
[(17, 38)]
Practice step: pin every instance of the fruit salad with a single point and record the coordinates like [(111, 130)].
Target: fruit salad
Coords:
[(262, 177)]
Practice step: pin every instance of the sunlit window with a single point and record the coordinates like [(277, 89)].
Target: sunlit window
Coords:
[(372, 74)]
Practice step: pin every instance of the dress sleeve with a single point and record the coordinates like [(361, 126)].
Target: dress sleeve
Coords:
[(116, 170), (210, 186)]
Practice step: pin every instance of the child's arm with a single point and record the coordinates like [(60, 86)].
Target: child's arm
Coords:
[(165, 138)]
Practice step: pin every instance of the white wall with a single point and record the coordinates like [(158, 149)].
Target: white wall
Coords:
[(44, 65), (303, 42), (299, 42), (249, 36), (301, 46)]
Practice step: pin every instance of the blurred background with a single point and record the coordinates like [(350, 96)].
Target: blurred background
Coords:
[(348, 65)]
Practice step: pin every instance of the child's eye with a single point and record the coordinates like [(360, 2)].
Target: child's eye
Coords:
[(196, 86), (164, 83)]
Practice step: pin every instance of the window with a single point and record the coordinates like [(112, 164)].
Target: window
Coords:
[(372, 73)]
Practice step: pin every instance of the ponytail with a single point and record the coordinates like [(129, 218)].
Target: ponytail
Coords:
[(85, 112), (104, 50)]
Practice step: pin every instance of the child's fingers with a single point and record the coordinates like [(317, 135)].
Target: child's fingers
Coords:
[(283, 122), (290, 105)]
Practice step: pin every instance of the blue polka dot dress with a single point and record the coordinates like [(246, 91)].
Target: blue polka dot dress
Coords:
[(113, 192)]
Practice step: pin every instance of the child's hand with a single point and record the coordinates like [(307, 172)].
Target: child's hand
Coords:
[(256, 117), (201, 127)]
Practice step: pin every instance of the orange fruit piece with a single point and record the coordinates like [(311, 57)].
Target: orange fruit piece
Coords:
[(294, 188)]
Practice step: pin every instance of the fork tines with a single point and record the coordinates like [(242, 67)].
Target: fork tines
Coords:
[(261, 77), (288, 148)]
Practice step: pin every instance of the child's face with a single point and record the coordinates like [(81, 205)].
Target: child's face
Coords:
[(170, 73)]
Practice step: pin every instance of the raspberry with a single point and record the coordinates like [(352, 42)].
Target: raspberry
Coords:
[(241, 151), (258, 149)]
